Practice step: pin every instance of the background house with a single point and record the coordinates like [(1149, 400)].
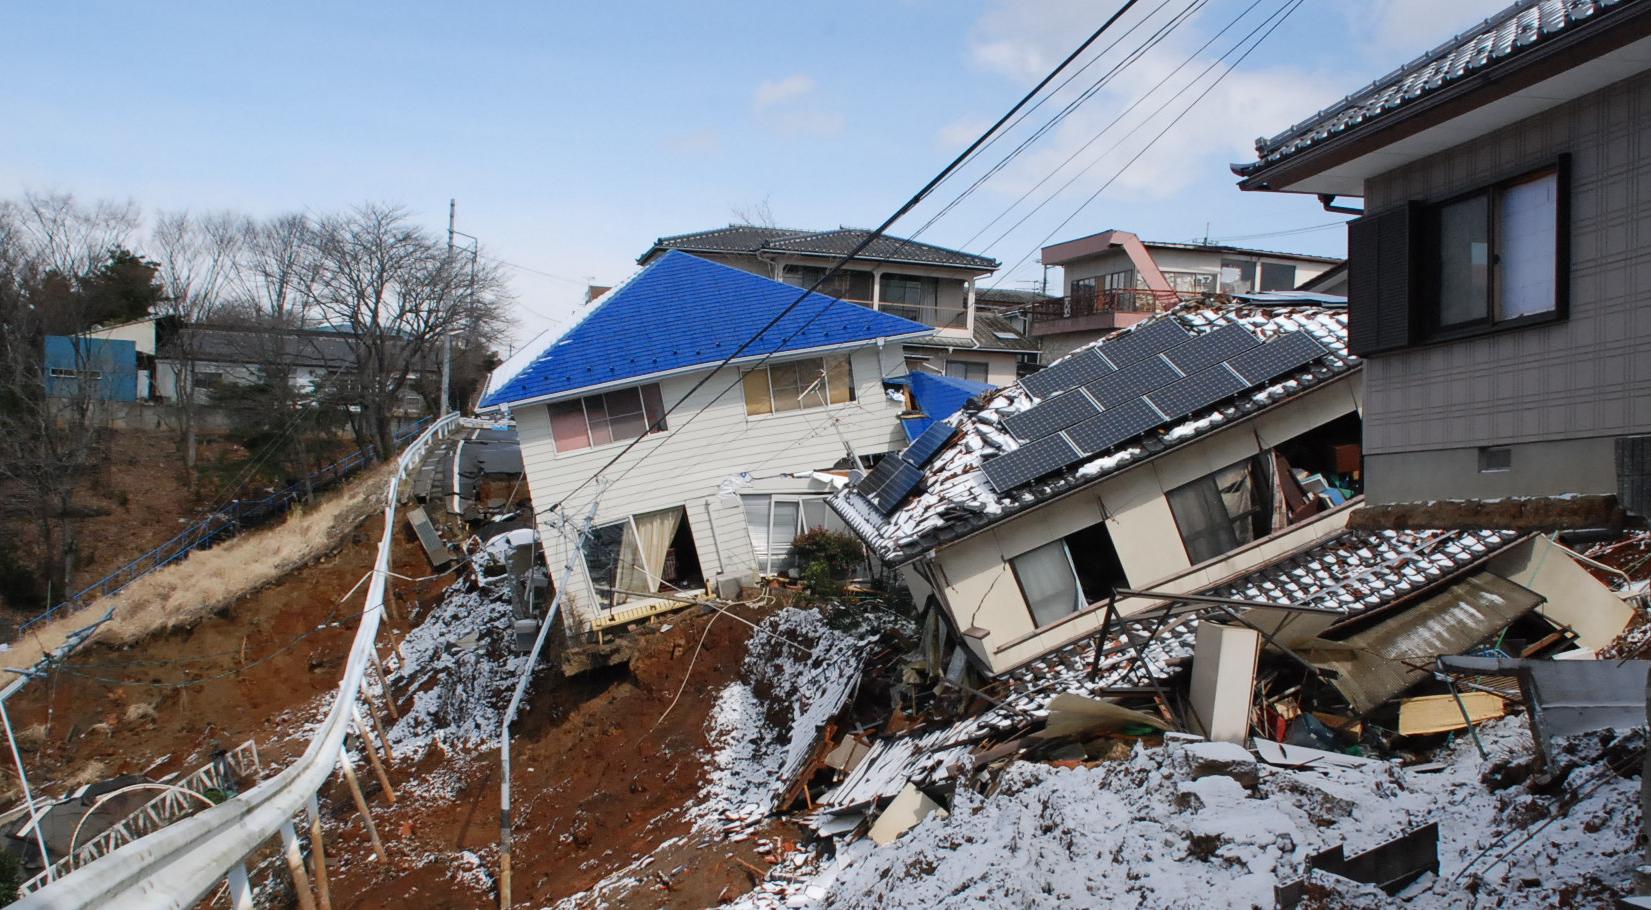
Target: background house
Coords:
[(715, 490), (917, 281), (101, 368), (1114, 279), (1497, 282)]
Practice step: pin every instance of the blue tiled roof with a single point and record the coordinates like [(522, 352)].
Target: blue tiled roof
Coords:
[(939, 397), (682, 311)]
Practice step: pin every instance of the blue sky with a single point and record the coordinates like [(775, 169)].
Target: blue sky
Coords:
[(572, 135)]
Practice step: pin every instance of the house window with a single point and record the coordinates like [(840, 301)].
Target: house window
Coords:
[(966, 369), (1064, 576), (62, 373), (812, 382), (597, 420), (847, 284), (1278, 276), (1220, 512), (1237, 276), (641, 555), (1190, 282), (775, 521), (1495, 459), (1494, 255), (209, 379), (917, 298)]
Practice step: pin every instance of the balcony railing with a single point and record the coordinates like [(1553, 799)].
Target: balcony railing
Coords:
[(1125, 300)]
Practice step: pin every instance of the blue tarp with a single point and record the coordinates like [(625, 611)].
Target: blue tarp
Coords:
[(938, 397)]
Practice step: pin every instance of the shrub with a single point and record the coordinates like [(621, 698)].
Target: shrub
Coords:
[(827, 557)]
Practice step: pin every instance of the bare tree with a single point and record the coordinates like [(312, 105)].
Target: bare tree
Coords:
[(398, 291), (198, 255), (759, 214), (60, 262)]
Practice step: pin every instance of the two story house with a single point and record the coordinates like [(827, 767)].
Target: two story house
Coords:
[(1497, 277), (731, 459), (1180, 456), (1114, 279), (918, 281)]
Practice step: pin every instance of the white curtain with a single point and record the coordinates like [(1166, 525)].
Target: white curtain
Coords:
[(642, 557), (1047, 581), (756, 521), (1527, 232), (783, 532)]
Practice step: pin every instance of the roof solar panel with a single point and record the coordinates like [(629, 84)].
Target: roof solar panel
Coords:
[(1212, 348), (1029, 462), (1149, 338), (927, 444), (878, 476), (900, 483), (1205, 387), (1114, 425), (1076, 370), (1131, 382), (1051, 416), (1277, 357)]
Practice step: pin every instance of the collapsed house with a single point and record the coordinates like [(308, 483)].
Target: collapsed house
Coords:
[(710, 497)]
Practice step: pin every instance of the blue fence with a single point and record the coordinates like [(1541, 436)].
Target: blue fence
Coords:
[(234, 517)]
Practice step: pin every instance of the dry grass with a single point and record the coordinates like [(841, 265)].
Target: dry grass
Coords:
[(90, 773), (140, 711), (189, 591)]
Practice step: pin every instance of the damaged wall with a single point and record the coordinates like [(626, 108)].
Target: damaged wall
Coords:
[(1573, 597), (720, 442), (980, 588)]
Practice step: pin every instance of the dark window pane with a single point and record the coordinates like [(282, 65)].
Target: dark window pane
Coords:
[(1464, 261), (1276, 276)]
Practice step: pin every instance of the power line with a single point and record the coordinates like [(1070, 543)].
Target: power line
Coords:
[(1276, 18), (551, 275), (1287, 232), (860, 247)]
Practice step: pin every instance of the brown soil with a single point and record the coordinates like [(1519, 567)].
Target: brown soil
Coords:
[(1513, 514), (253, 670), (599, 782)]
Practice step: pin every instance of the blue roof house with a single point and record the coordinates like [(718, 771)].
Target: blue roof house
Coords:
[(106, 369), (698, 381)]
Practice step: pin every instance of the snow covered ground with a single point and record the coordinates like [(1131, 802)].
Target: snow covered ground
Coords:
[(1149, 832), (458, 664)]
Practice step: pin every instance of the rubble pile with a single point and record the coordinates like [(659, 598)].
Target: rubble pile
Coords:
[(459, 667)]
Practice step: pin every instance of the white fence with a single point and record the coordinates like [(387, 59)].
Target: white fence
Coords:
[(179, 864)]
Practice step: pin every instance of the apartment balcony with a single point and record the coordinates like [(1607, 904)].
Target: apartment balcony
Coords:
[(1101, 312)]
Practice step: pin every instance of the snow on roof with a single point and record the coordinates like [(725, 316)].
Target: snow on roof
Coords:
[(681, 312), (954, 497)]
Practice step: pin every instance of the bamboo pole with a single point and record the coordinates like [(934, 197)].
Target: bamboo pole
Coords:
[(361, 804), (295, 866), (318, 854)]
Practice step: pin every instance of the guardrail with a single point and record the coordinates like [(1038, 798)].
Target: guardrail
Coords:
[(226, 522), (178, 865)]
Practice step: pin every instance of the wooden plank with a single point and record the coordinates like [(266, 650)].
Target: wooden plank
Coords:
[(1440, 713)]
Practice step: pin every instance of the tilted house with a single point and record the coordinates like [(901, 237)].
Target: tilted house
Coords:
[(1212, 449), (919, 281), (721, 480), (1496, 280)]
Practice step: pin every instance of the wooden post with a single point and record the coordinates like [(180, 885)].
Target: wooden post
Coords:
[(504, 867), (240, 888), (378, 727), (361, 803), (295, 865), (318, 854), (372, 757), (384, 685)]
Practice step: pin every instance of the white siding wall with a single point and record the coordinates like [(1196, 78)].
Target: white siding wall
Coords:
[(686, 465)]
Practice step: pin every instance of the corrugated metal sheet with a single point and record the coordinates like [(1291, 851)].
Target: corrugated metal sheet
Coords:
[(1394, 655)]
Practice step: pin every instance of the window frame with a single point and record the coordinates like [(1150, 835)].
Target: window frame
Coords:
[(828, 392), (982, 366), (649, 427), (1427, 305)]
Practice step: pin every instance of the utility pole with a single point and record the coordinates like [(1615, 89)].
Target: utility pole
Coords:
[(447, 335)]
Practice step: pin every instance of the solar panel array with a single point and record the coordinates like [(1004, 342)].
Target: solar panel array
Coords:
[(927, 444), (901, 481), (1143, 379)]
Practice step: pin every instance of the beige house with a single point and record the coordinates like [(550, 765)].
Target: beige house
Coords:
[(1114, 279), (1497, 281), (1183, 455), (922, 282)]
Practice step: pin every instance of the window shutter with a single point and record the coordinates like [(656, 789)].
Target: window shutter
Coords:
[(1379, 278)]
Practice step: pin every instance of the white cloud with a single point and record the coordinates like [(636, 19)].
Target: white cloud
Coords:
[(774, 91), (783, 105)]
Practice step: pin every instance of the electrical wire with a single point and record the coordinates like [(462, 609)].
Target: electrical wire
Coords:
[(860, 247)]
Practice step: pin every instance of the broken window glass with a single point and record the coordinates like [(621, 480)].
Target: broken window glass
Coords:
[(1220, 512), (1048, 582), (798, 384)]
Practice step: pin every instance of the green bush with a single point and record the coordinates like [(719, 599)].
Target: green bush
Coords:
[(827, 558)]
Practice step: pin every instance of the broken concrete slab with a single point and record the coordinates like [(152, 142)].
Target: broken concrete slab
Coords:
[(434, 547), (907, 810), (1391, 866)]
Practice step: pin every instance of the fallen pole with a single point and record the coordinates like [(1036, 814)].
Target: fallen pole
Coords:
[(361, 803), (318, 853), (372, 759), (295, 866)]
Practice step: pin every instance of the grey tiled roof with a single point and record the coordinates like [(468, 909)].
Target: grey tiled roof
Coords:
[(954, 497), (1514, 31), (988, 326), (746, 238)]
